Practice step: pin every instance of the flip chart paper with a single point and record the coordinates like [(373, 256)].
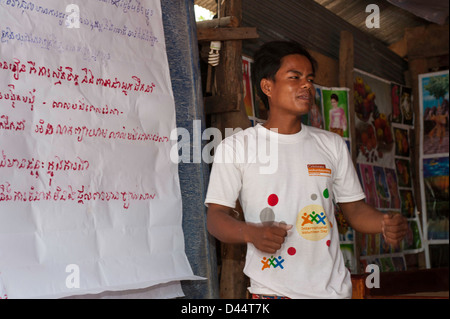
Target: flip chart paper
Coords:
[(89, 198)]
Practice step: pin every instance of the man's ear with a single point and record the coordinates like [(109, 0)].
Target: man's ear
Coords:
[(266, 86)]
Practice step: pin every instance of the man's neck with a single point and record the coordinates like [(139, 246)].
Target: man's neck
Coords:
[(283, 125)]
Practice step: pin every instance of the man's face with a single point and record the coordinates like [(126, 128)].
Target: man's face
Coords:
[(292, 91)]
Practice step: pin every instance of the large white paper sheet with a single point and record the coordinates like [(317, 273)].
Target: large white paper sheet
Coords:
[(89, 198)]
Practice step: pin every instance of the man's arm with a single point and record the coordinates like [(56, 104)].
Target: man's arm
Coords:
[(267, 238), (366, 219)]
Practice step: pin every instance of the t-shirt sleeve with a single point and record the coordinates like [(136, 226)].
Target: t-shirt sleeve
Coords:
[(347, 187), (225, 180)]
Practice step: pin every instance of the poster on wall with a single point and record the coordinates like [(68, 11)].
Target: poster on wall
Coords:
[(247, 86), (373, 109), (89, 198), (433, 94), (335, 110), (315, 115), (384, 128), (434, 159), (435, 180), (329, 110), (254, 108)]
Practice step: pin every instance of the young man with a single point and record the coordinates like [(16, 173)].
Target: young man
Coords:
[(290, 228)]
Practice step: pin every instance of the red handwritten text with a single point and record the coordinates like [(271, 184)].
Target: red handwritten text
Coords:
[(83, 131), (5, 124), (34, 165), (15, 97), (70, 194), (82, 106), (67, 74)]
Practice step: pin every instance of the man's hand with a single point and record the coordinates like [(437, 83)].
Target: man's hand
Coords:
[(394, 227), (267, 237), (368, 220)]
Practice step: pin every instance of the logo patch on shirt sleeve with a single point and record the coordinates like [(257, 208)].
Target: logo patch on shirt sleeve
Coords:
[(318, 170)]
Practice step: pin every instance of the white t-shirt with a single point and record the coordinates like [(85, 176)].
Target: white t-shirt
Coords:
[(294, 181)]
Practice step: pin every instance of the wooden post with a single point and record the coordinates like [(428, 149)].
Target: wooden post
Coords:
[(359, 286), (233, 282), (219, 22), (346, 67)]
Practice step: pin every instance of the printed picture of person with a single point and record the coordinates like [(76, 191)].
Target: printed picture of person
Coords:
[(393, 188), (403, 172), (408, 203), (369, 184), (435, 107), (381, 187), (395, 99), (439, 117), (401, 142), (338, 121), (335, 111), (406, 106)]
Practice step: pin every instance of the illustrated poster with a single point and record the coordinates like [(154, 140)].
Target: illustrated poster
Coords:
[(384, 128), (434, 163)]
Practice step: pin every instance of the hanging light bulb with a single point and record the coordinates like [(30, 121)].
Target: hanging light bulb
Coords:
[(214, 56)]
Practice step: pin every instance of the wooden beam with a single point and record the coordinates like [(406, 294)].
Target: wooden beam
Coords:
[(400, 48), (359, 286), (221, 104), (346, 78), (229, 79), (429, 41), (346, 67), (231, 22), (226, 34)]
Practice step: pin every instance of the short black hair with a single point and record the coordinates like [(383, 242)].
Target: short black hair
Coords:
[(267, 62)]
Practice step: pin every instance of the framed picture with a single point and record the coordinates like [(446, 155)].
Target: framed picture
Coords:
[(433, 95), (434, 162)]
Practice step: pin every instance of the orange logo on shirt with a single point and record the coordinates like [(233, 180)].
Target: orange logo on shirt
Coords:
[(318, 170)]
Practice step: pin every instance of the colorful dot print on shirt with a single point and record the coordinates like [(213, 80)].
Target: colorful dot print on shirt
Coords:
[(267, 214), (312, 224)]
